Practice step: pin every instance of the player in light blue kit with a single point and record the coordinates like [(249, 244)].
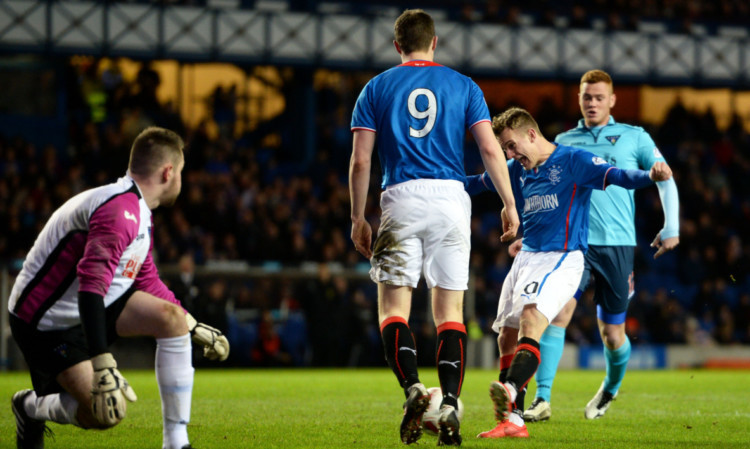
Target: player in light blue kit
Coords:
[(556, 183), (420, 111), (612, 238)]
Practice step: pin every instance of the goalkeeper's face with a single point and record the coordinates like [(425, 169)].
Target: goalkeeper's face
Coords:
[(596, 101)]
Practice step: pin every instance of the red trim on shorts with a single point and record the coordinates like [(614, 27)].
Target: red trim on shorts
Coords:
[(393, 319), (451, 326)]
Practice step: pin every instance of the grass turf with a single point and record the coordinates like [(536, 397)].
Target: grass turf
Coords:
[(361, 408)]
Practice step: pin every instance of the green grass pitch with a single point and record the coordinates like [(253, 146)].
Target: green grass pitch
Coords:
[(361, 408)]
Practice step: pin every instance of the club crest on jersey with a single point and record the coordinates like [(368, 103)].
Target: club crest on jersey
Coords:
[(554, 174), (598, 161), (612, 139), (129, 216), (62, 350)]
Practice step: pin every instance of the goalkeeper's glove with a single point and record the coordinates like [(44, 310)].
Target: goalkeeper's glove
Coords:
[(109, 391), (215, 344)]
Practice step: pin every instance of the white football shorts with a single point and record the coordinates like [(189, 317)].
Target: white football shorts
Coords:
[(548, 279), (424, 228)]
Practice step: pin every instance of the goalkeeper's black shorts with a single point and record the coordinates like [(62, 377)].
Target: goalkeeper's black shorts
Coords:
[(48, 353)]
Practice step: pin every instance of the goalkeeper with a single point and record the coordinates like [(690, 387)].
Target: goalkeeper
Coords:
[(89, 279)]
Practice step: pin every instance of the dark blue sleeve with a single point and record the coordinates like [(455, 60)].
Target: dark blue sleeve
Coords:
[(629, 179), (479, 183), (482, 183)]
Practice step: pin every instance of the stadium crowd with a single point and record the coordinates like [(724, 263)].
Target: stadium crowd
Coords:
[(243, 201)]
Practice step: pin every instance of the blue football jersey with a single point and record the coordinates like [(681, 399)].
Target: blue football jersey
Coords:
[(420, 111), (624, 146), (556, 196)]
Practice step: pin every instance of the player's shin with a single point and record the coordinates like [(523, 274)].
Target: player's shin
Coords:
[(451, 360), (60, 408), (174, 374), (551, 347), (400, 351), (505, 362), (525, 362), (617, 363)]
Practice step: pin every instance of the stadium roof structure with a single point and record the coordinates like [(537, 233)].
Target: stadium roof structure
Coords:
[(363, 42)]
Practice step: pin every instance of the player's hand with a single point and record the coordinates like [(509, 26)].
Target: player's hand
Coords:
[(660, 171), (362, 237), (515, 248), (664, 245), (215, 344), (109, 391), (510, 224)]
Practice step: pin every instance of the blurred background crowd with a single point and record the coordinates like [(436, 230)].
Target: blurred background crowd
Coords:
[(250, 196)]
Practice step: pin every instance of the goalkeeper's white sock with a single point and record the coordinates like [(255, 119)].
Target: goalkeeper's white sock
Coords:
[(174, 374), (59, 407)]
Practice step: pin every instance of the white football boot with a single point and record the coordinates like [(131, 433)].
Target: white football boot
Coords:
[(598, 406)]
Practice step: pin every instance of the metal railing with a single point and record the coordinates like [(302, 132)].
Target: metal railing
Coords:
[(364, 42)]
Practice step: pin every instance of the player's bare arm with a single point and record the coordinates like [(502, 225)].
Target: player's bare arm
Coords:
[(494, 163), (359, 181), (515, 248), (664, 245)]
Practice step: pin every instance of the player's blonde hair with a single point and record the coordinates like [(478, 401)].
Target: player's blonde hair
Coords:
[(514, 118), (414, 30), (597, 76), (153, 147)]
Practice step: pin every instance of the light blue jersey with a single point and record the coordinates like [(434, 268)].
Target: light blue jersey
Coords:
[(420, 111), (612, 221)]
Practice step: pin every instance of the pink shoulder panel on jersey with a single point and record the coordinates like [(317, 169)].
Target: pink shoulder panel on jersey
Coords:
[(112, 228)]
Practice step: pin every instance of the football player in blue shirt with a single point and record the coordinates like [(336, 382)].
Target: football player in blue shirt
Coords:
[(556, 184), (609, 260), (420, 111)]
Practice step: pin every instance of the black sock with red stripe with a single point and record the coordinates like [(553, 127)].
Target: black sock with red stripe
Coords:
[(505, 361), (524, 365), (451, 360), (400, 350)]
